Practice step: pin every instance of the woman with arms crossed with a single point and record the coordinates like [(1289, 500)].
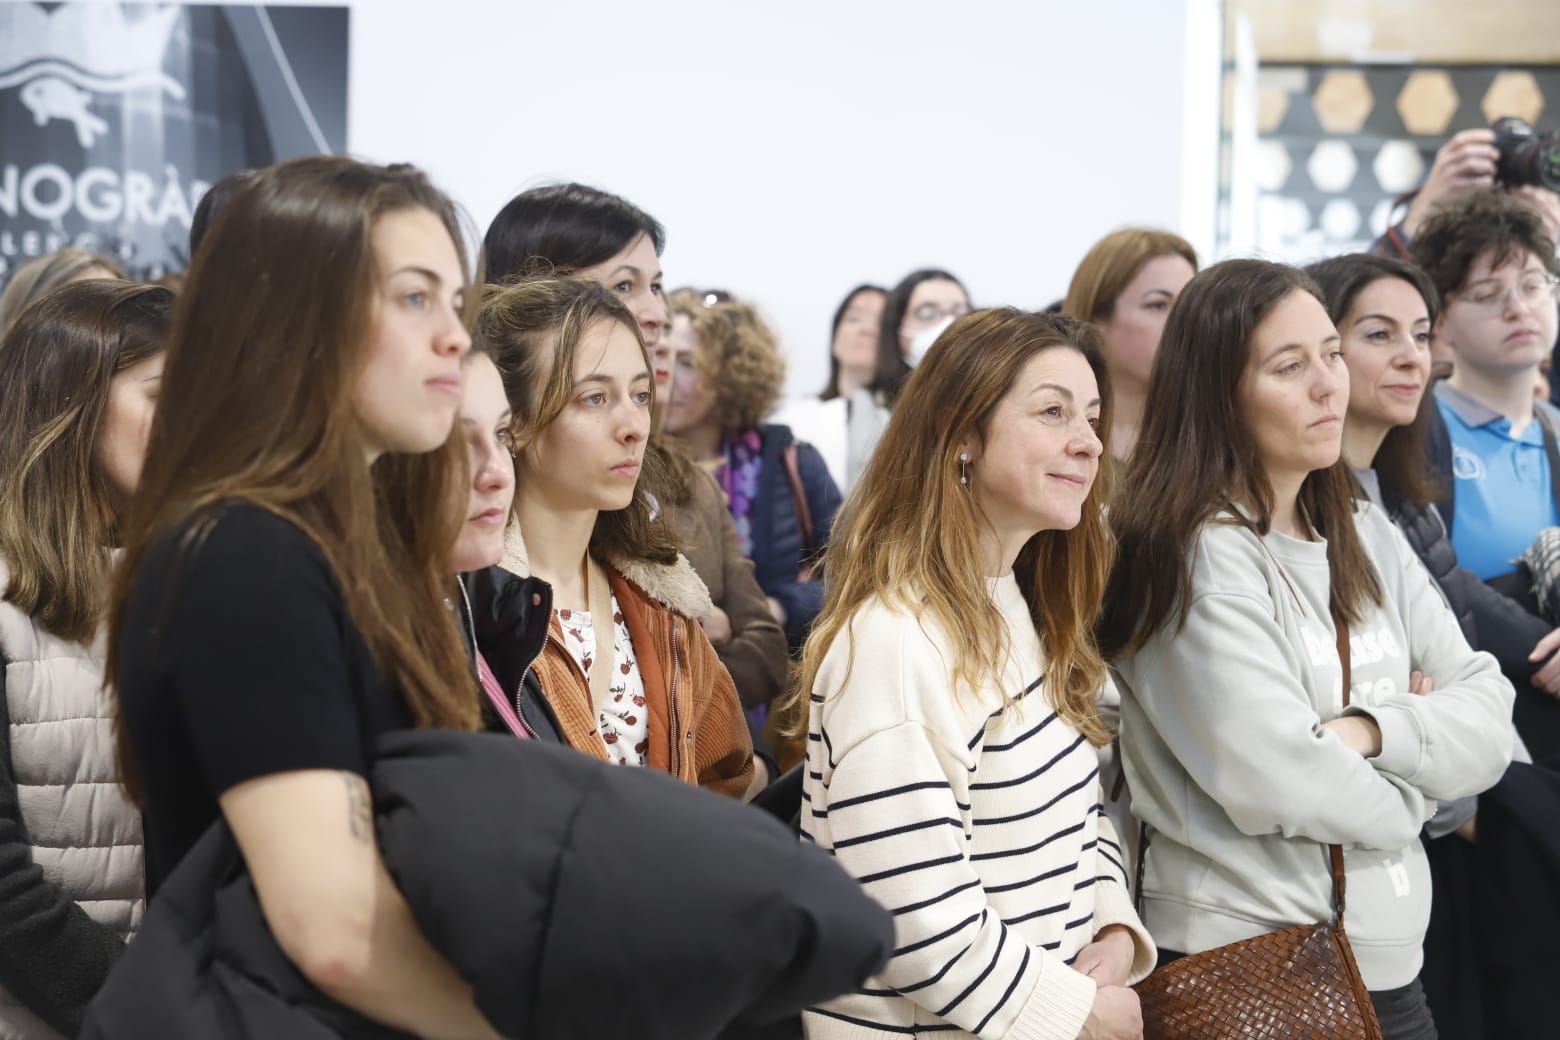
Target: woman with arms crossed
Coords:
[(1240, 549)]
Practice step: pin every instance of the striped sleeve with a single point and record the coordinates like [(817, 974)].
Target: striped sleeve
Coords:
[(905, 842), (1113, 900)]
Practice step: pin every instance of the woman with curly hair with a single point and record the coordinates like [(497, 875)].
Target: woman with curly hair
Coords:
[(727, 375)]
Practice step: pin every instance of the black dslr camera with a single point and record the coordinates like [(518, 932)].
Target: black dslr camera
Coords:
[(1526, 156)]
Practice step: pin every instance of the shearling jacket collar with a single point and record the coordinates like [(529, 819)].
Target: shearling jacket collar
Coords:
[(673, 585)]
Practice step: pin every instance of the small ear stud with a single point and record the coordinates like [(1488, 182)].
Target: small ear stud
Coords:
[(964, 467)]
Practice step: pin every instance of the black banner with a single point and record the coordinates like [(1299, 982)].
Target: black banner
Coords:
[(115, 118)]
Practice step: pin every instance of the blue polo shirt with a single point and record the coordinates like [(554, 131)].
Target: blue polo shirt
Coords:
[(1501, 483)]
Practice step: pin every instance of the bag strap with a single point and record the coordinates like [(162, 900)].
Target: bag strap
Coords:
[(1551, 449), (793, 474), (1335, 852)]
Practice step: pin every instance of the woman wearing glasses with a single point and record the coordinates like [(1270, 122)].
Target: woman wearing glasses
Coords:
[(917, 310)]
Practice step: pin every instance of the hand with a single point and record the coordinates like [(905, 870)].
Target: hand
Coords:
[(1108, 959), (776, 610), (1468, 829), (1359, 733), (1116, 1015), (717, 627), (1420, 683), (1466, 160), (1547, 678), (1543, 202)]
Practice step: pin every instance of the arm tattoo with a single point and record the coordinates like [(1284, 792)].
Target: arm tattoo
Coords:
[(360, 809)]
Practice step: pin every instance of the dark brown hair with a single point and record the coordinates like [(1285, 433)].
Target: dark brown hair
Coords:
[(1401, 461), (268, 342), (911, 532), (532, 328), (831, 389), (892, 368), (58, 521), (1196, 458), (1462, 228)]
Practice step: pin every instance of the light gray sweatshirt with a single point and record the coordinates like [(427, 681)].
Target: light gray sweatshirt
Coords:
[(1242, 789)]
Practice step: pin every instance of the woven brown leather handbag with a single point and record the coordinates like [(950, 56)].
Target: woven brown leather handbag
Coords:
[(1299, 983)]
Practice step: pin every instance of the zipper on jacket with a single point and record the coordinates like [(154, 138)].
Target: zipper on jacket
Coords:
[(676, 725), (520, 694)]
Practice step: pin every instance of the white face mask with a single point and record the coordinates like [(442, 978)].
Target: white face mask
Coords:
[(922, 341)]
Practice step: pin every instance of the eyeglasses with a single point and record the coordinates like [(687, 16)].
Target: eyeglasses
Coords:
[(1533, 289), (927, 313)]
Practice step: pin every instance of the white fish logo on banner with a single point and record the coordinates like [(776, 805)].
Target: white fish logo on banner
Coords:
[(61, 58)]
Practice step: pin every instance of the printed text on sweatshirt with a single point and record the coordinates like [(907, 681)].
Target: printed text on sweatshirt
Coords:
[(979, 827)]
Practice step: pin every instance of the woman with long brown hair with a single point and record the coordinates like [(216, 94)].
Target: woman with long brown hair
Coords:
[(951, 681), (81, 367), (625, 674), (282, 596), (1240, 555)]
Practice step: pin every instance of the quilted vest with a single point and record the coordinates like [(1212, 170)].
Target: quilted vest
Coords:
[(86, 836)]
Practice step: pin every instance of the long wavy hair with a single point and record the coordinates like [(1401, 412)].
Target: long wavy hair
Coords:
[(58, 517), (911, 532), (532, 328), (268, 341), (1196, 458)]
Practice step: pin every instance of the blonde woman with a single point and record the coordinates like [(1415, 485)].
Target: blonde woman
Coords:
[(1126, 285), (41, 276), (952, 679)]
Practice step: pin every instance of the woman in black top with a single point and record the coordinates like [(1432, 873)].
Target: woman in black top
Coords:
[(286, 563)]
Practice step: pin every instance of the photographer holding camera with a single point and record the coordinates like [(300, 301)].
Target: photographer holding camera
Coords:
[(1472, 159), (1509, 154)]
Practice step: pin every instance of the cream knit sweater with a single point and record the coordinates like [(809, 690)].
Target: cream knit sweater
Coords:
[(979, 827)]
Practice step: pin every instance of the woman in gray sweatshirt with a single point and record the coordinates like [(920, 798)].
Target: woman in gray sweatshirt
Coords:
[(1239, 545)]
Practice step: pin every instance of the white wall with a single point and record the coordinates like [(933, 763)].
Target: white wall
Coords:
[(795, 150)]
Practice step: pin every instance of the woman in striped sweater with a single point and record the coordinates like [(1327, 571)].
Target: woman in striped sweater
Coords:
[(952, 678)]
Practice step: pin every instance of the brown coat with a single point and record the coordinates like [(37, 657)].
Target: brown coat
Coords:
[(756, 654), (697, 730)]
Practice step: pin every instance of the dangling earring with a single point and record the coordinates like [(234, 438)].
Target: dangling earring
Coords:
[(964, 467)]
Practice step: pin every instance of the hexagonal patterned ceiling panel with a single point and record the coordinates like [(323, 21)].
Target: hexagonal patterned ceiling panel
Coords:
[(1513, 93), (1342, 101), (1337, 144)]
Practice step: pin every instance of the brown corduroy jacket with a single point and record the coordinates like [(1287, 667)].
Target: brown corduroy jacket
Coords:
[(697, 730)]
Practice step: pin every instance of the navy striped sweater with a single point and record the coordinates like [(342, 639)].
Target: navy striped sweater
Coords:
[(979, 827)]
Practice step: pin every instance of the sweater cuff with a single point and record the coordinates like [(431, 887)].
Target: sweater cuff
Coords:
[(1111, 906), (1059, 1004), (1402, 739)]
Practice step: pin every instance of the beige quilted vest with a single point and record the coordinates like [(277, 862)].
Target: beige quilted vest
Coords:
[(86, 837)]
